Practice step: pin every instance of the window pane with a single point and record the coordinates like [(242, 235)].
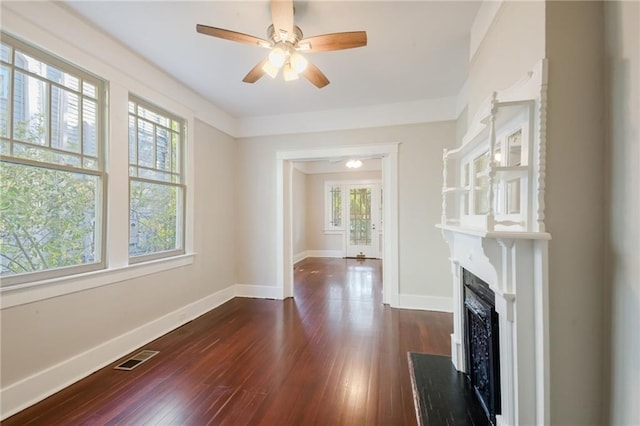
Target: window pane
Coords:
[(89, 89), (29, 109), (43, 155), (336, 206), (133, 150), (163, 157), (145, 144), (154, 175), (5, 96), (5, 53), (153, 116), (360, 216), (154, 215), (65, 120), (90, 163), (50, 218), (175, 152), (47, 71), (89, 127)]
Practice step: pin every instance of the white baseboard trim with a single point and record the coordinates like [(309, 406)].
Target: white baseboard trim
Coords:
[(300, 256), (426, 303), (20, 395), (258, 291), (317, 253)]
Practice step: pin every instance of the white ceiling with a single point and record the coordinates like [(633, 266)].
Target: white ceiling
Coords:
[(416, 50)]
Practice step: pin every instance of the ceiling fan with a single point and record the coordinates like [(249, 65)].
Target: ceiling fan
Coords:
[(286, 42)]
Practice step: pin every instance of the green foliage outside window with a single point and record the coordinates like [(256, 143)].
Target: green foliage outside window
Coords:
[(153, 218), (47, 216)]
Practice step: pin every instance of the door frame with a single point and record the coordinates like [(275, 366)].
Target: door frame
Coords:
[(375, 200), (284, 205)]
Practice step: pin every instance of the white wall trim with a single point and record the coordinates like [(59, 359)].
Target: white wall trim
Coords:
[(37, 387), (317, 253), (258, 291), (284, 255), (426, 303), (21, 294)]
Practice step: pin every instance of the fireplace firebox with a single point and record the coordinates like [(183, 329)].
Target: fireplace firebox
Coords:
[(482, 343)]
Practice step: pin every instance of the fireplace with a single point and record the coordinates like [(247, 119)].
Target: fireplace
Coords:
[(493, 213), (482, 343)]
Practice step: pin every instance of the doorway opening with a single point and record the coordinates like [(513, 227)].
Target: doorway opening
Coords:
[(362, 221), (388, 155)]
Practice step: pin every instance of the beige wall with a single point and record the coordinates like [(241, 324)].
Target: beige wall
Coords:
[(510, 49), (299, 208), (317, 239), (622, 28), (41, 334), (424, 268), (575, 212), (570, 35)]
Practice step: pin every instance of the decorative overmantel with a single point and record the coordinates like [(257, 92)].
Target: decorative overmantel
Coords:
[(493, 221)]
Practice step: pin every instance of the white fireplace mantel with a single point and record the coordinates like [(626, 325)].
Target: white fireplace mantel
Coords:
[(515, 268), (494, 226)]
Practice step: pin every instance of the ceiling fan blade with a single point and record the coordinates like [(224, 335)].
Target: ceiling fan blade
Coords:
[(282, 16), (231, 35), (256, 72), (315, 76), (335, 41)]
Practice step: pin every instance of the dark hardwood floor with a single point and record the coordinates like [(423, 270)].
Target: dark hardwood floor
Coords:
[(332, 355)]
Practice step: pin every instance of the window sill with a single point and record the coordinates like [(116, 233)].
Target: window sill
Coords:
[(22, 294)]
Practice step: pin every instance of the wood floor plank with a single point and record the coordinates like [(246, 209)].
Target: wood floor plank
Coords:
[(333, 355)]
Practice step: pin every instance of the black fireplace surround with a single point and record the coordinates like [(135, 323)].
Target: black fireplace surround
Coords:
[(482, 343)]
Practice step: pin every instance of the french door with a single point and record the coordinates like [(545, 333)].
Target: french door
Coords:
[(362, 213)]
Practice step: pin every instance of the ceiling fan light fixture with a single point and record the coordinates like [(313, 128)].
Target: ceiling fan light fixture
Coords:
[(289, 73), (270, 69), (283, 35), (277, 57), (354, 164), (285, 39), (298, 62), (304, 46)]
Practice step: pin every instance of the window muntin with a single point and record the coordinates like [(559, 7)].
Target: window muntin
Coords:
[(334, 194), (156, 182), (52, 182)]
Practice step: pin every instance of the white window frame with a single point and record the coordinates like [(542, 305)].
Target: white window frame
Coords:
[(329, 228), (16, 281), (177, 181), (329, 225), (118, 84)]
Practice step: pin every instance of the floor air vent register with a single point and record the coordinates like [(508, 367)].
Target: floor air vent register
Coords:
[(136, 360)]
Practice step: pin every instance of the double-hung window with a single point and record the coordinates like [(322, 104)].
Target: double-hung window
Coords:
[(156, 182), (52, 178)]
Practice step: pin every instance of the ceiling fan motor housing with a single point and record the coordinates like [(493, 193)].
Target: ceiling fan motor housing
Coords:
[(292, 38)]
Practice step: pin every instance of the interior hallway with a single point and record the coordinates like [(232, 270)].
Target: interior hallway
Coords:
[(332, 355)]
